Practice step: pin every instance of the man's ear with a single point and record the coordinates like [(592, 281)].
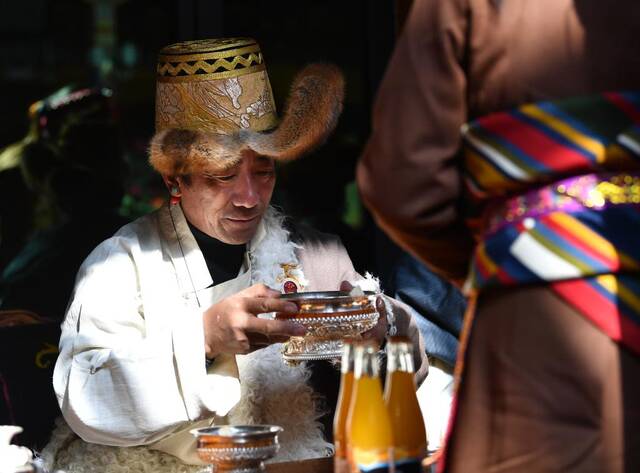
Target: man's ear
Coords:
[(170, 181)]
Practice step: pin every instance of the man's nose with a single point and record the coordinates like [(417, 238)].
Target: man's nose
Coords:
[(246, 192)]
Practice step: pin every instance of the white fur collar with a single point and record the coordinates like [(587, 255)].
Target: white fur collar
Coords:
[(273, 255)]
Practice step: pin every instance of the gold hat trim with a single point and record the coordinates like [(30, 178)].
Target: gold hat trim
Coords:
[(226, 54), (213, 76), (201, 69), (192, 69)]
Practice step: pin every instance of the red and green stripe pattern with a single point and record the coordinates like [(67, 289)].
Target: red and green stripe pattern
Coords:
[(537, 143), (590, 256)]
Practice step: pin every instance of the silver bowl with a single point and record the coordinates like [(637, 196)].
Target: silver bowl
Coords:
[(237, 448), (329, 317)]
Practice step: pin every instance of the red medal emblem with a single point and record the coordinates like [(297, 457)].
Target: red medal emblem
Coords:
[(290, 283), (289, 287)]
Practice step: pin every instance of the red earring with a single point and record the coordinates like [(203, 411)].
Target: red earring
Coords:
[(175, 195)]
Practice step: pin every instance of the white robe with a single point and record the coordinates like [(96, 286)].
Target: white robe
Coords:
[(131, 368)]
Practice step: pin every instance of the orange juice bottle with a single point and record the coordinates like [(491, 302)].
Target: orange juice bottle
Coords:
[(368, 426), (407, 423), (340, 461)]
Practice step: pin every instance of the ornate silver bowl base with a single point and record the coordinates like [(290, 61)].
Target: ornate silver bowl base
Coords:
[(329, 318), (237, 448)]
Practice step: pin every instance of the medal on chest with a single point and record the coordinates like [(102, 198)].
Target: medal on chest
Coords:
[(289, 280)]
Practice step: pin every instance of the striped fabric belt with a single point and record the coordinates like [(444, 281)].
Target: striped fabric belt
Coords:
[(578, 234), (571, 195)]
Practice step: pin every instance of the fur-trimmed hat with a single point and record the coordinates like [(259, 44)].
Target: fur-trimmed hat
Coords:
[(214, 99)]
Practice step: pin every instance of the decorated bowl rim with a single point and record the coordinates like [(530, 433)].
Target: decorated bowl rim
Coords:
[(238, 432), (327, 296)]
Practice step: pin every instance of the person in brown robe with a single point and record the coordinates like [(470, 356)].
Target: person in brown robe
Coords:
[(543, 389)]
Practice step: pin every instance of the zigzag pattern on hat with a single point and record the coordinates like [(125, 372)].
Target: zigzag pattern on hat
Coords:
[(206, 67)]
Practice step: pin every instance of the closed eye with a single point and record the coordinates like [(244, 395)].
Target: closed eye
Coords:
[(226, 178), (222, 178)]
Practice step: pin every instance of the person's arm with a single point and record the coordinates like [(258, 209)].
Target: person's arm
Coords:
[(409, 176), (132, 367)]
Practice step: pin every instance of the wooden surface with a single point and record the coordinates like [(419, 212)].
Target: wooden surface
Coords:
[(319, 465)]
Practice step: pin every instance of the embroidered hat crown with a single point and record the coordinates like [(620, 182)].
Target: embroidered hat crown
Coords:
[(215, 85), (214, 99)]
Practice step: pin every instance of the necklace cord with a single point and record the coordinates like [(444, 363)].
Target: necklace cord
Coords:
[(175, 229)]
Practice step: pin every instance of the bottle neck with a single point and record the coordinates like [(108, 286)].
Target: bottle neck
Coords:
[(348, 358), (399, 357), (366, 361)]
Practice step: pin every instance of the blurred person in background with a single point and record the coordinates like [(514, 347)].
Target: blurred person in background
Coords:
[(74, 167), (18, 215), (505, 148)]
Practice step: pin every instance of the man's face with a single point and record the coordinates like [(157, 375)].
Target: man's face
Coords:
[(228, 204)]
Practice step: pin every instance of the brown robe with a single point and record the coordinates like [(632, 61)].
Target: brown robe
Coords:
[(544, 390)]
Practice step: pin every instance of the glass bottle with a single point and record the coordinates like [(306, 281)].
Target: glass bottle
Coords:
[(407, 423), (341, 464), (369, 434)]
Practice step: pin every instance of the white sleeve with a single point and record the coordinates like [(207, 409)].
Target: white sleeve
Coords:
[(121, 379)]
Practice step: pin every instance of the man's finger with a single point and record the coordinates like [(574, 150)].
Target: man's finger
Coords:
[(381, 308), (369, 334), (274, 327), (346, 286), (262, 340), (263, 305), (278, 338), (242, 344)]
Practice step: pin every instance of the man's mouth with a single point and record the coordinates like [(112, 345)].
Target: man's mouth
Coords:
[(243, 220)]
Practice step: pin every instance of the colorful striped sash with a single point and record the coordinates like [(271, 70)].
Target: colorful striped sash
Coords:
[(557, 189)]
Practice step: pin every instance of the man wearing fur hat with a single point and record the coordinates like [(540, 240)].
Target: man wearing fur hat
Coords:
[(162, 334)]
